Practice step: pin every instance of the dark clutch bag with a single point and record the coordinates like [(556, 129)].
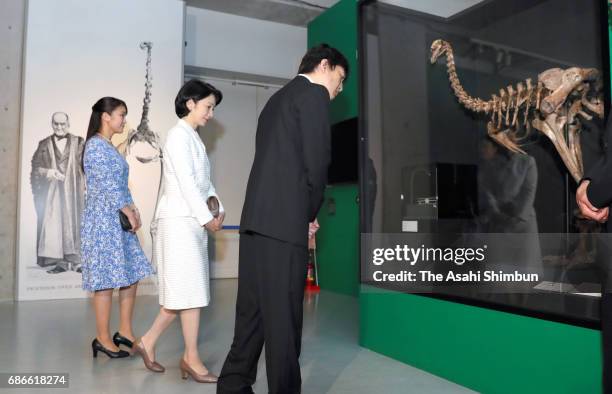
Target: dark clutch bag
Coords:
[(125, 222), (213, 205)]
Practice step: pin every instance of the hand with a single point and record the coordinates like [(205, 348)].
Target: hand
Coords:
[(53, 174), (586, 208), (313, 227), (138, 219), (131, 215), (605, 212), (222, 217), (214, 225)]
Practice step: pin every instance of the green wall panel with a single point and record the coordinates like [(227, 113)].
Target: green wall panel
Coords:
[(338, 240), (338, 27), (486, 350)]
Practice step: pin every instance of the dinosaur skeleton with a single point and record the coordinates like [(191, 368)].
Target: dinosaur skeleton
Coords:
[(551, 105), (143, 133)]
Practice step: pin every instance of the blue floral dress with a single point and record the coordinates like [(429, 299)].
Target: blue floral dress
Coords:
[(111, 257)]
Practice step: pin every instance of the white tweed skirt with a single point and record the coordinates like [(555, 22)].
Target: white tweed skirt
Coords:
[(181, 252)]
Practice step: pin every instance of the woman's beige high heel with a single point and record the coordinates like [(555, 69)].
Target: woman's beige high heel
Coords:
[(187, 371), (151, 365)]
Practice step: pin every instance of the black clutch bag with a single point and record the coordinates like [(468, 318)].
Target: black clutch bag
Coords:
[(125, 222), (213, 205)]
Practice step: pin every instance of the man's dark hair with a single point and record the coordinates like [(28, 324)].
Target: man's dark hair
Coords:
[(313, 57), (194, 90)]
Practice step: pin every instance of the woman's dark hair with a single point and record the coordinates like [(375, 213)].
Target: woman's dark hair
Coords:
[(313, 57), (104, 105), (194, 90)]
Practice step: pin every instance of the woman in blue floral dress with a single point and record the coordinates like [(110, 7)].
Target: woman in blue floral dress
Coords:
[(112, 257)]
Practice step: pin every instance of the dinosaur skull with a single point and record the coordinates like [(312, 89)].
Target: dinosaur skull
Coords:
[(437, 48)]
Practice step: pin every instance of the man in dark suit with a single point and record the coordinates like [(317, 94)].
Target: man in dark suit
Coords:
[(594, 197), (283, 197)]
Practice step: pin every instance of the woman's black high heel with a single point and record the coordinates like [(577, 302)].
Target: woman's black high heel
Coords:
[(119, 339), (96, 346)]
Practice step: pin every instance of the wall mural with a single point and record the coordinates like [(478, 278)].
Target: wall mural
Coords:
[(57, 186), (141, 148), (143, 133), (58, 182)]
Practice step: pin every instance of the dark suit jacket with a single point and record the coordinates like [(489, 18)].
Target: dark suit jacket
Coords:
[(292, 155), (599, 191), (599, 194), (42, 159)]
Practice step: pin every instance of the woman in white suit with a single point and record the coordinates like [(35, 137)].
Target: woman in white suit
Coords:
[(182, 218)]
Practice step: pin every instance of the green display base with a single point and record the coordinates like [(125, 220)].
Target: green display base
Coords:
[(486, 350)]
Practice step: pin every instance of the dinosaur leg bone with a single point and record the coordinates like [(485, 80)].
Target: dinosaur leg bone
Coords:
[(574, 145), (552, 127)]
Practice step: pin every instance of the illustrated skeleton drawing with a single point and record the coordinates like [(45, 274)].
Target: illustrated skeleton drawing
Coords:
[(552, 105), (143, 133)]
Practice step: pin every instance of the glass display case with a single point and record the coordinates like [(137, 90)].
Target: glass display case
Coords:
[(434, 164)]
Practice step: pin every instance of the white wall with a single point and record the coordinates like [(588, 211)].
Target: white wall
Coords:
[(443, 8), (235, 43), (76, 52)]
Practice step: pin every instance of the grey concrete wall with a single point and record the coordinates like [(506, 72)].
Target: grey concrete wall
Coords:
[(12, 22)]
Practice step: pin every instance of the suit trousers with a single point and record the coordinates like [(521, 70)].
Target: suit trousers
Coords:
[(271, 280)]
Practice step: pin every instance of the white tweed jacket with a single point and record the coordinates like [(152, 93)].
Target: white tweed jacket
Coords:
[(186, 181)]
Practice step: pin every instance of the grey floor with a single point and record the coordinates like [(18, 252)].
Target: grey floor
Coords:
[(54, 336)]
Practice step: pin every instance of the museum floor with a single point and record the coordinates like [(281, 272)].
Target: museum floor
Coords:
[(54, 336)]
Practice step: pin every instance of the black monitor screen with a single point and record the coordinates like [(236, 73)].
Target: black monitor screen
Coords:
[(344, 166)]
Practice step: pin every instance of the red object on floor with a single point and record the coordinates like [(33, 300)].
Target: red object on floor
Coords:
[(312, 279)]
